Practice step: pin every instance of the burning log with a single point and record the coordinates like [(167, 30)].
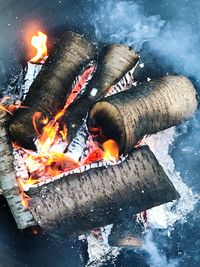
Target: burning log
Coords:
[(115, 62), (80, 202), (52, 86), (146, 109), (8, 182)]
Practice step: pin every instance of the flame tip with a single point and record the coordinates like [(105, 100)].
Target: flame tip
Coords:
[(39, 42)]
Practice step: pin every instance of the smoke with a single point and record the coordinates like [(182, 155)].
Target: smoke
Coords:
[(175, 39), (157, 258), (125, 22), (178, 44)]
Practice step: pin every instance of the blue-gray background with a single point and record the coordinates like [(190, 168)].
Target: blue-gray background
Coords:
[(167, 34)]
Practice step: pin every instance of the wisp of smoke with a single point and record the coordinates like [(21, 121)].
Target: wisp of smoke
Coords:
[(157, 258), (179, 46), (124, 22)]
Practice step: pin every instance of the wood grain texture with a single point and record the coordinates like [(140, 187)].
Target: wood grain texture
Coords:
[(52, 86), (146, 109), (8, 182), (80, 202)]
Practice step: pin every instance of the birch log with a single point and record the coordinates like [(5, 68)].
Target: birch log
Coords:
[(146, 109), (52, 86), (8, 182), (80, 202), (114, 62)]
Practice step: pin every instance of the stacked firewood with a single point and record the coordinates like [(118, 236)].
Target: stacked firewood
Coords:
[(79, 202)]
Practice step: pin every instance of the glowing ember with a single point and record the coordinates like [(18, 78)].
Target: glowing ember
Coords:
[(50, 159), (39, 42), (111, 150)]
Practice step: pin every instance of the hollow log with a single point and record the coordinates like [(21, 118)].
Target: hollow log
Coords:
[(8, 182), (80, 202), (52, 86), (146, 109), (113, 63)]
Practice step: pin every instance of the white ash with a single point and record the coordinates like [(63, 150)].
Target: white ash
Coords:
[(19, 165), (141, 65), (170, 212), (76, 147), (94, 92), (32, 72), (20, 83)]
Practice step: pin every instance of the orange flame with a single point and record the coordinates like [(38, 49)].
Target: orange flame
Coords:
[(36, 116), (63, 132), (50, 159), (111, 150), (25, 198), (39, 42)]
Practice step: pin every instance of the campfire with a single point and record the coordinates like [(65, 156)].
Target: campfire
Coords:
[(75, 137)]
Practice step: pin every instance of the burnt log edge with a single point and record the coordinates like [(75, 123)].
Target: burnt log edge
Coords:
[(8, 183)]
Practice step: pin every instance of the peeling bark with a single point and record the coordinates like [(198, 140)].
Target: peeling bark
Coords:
[(8, 182), (52, 86), (80, 202), (146, 109)]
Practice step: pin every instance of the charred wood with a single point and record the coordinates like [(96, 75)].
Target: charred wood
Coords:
[(143, 110), (80, 202), (52, 86)]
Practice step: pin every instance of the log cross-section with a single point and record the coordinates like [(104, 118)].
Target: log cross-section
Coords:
[(146, 109)]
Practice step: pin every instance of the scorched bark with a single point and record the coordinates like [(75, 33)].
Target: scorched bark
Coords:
[(114, 62), (52, 86), (146, 109), (80, 202)]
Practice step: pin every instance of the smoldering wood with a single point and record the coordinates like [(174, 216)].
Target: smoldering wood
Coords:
[(143, 110), (114, 62), (52, 86), (8, 183), (80, 202)]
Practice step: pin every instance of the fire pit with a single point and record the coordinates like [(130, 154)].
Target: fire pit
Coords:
[(72, 172)]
